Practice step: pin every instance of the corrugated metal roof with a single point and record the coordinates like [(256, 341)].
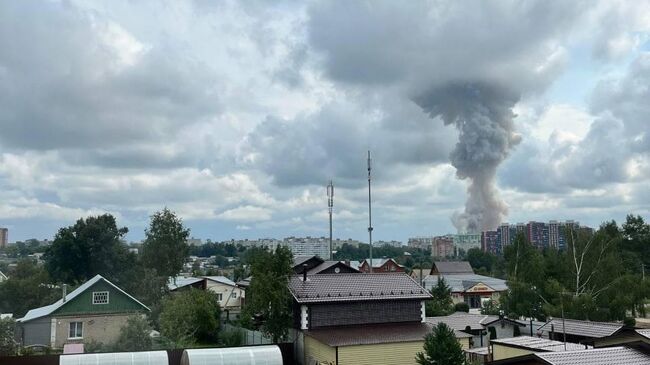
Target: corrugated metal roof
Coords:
[(374, 334), (49, 309), (378, 262), (221, 279), (644, 333), (460, 320), (300, 259), (182, 281), (582, 328), (453, 267), (460, 282), (538, 344), (355, 287), (605, 356)]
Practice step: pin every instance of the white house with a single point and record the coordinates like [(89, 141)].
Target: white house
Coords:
[(231, 297)]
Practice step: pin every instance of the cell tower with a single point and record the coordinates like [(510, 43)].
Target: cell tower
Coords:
[(369, 210), (330, 205)]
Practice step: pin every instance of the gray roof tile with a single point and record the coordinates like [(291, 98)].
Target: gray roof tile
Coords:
[(605, 356), (538, 344), (582, 328), (453, 267), (355, 287)]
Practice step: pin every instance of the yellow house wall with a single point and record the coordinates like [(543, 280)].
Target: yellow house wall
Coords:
[(400, 353), (464, 343), (506, 352), (319, 352)]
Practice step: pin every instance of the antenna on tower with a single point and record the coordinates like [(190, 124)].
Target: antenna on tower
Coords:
[(330, 205), (369, 210)]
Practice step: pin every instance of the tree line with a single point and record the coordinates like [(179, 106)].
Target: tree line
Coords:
[(598, 276)]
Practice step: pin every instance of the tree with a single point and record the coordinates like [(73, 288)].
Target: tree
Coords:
[(442, 304), (441, 348), (191, 316), (8, 345), (461, 307), (135, 335), (28, 287), (268, 298), (91, 246), (165, 248)]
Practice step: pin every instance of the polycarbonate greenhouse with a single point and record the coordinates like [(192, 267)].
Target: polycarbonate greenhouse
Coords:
[(251, 355), (117, 358)]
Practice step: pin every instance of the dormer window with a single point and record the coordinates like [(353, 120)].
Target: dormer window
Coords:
[(100, 297)]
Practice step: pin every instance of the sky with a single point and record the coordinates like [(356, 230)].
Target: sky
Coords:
[(236, 114)]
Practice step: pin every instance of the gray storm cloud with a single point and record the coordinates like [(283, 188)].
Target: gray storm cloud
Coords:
[(482, 113)]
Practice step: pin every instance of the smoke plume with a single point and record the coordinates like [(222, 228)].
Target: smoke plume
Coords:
[(482, 113)]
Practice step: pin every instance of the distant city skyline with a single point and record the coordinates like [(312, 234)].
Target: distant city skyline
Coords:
[(236, 115)]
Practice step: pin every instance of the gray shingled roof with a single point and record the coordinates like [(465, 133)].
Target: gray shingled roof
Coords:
[(605, 356), (582, 328), (460, 282), (300, 259), (374, 334), (460, 320), (453, 267), (355, 287), (538, 344)]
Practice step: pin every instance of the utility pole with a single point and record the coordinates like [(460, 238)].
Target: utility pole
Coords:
[(369, 211), (330, 205)]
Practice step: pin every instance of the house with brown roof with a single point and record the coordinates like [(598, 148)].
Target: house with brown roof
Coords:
[(360, 319), (381, 265), (316, 265)]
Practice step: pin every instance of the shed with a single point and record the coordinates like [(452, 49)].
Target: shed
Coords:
[(116, 358), (251, 355)]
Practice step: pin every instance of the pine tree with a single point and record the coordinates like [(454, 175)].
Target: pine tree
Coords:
[(441, 348)]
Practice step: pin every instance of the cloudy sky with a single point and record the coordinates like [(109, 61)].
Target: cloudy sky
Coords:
[(236, 114)]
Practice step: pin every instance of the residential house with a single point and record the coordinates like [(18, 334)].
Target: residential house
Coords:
[(95, 311), (578, 331), (608, 356), (381, 265), (181, 283), (316, 265), (231, 297), (360, 319), (624, 336), (473, 289), (506, 348), (478, 325)]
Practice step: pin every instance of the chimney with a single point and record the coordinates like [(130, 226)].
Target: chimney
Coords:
[(65, 291), (304, 272), (347, 262)]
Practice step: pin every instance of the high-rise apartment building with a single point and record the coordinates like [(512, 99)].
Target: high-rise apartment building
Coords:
[(4, 238), (537, 234), (490, 242), (443, 246)]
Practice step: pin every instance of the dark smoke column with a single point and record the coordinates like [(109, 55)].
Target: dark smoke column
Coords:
[(482, 113)]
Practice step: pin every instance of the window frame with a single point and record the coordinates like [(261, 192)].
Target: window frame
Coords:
[(97, 293), (219, 296), (78, 330)]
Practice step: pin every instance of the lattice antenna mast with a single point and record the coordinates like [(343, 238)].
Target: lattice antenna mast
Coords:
[(369, 209), (330, 205)]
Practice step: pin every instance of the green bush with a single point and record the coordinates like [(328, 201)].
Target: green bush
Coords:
[(461, 307), (135, 335), (191, 316), (232, 338)]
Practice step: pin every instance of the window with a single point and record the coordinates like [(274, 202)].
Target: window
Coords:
[(233, 295), (100, 297), (219, 296), (76, 330)]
